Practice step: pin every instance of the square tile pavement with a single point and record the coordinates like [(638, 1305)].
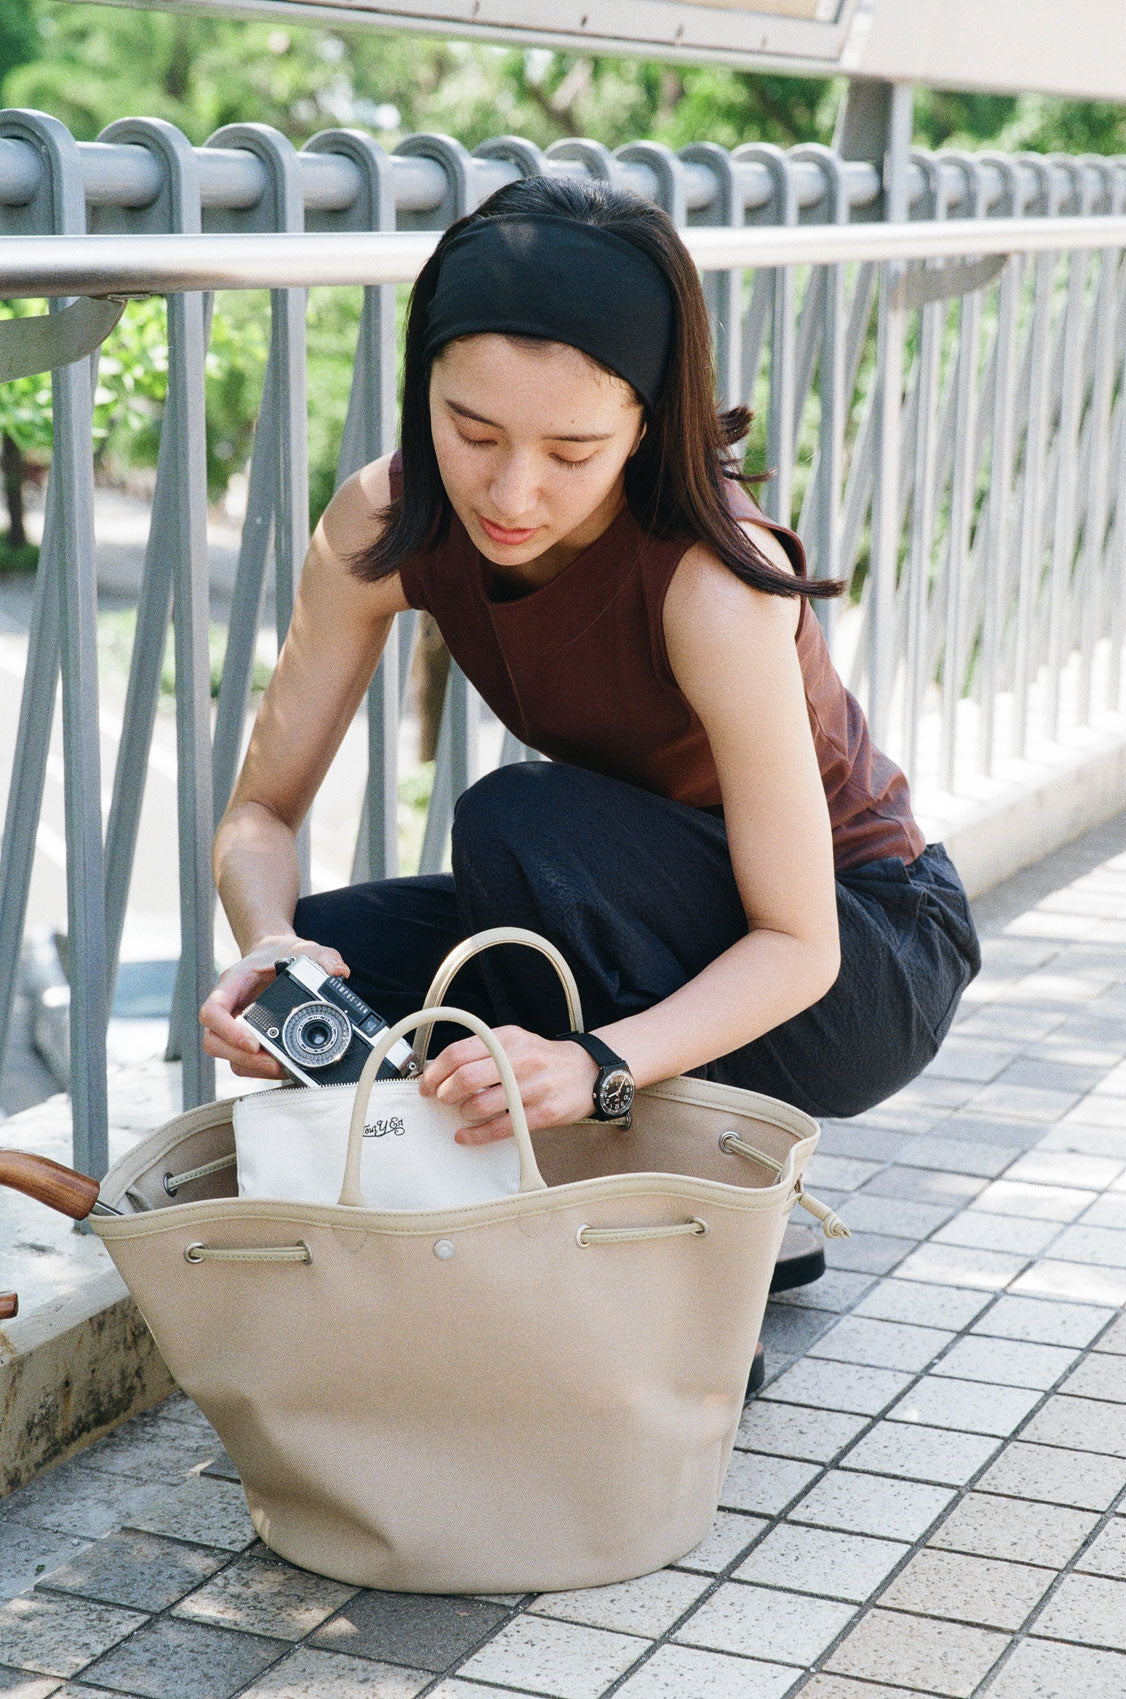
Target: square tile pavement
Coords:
[(822, 1561), (939, 1657), (1088, 1609), (880, 1344), (563, 1660), (888, 1508), (741, 1617), (1006, 1362), (1056, 1476), (970, 1406), (950, 1308), (1040, 1322), (916, 1453), (1049, 1670), (305, 1674), (421, 1630), (795, 1430), (961, 1588), (183, 1660), (685, 1672), (648, 1606), (1018, 1530)]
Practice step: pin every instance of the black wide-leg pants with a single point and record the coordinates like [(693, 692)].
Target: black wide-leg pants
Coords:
[(639, 895)]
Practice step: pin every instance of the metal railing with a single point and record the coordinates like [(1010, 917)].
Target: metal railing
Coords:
[(945, 425)]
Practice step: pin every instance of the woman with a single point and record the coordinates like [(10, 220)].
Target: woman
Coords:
[(731, 868)]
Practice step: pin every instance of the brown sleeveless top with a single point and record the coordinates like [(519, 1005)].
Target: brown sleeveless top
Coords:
[(578, 669)]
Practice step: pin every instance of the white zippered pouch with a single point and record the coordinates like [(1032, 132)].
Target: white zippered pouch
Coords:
[(292, 1144)]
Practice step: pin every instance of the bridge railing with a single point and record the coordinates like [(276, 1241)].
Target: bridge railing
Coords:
[(935, 348)]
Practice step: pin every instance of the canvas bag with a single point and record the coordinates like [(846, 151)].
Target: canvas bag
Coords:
[(533, 1393)]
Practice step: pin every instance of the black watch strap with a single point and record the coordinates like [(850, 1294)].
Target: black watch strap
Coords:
[(602, 1053), (609, 1065)]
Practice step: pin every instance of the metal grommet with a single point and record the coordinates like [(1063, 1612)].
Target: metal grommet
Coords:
[(194, 1253), (701, 1227), (579, 1239), (308, 1253), (725, 1143), (171, 1190), (444, 1249)]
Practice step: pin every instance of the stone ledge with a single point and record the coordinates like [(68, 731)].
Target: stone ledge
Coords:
[(70, 1370), (78, 1359), (1006, 823)]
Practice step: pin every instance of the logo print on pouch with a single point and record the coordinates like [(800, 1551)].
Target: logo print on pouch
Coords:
[(380, 1129)]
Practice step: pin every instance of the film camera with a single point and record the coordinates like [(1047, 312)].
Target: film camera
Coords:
[(319, 1030)]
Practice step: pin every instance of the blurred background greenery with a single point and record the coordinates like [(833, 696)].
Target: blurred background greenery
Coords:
[(90, 64)]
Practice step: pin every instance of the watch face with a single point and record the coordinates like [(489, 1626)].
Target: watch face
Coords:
[(615, 1092)]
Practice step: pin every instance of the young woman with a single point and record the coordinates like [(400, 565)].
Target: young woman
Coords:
[(730, 866)]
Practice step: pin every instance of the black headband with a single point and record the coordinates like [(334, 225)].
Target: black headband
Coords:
[(552, 277)]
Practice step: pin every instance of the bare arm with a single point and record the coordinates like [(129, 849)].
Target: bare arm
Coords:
[(335, 639), (733, 653)]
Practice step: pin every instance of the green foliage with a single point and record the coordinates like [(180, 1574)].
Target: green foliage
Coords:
[(20, 38), (116, 631), (21, 558)]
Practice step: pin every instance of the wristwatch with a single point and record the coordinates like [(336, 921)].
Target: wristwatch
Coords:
[(614, 1090)]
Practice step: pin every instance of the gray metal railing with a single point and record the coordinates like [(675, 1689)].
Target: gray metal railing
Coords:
[(946, 426)]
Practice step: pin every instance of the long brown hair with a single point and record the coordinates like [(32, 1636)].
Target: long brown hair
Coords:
[(674, 482)]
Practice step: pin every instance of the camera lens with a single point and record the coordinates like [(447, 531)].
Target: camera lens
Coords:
[(316, 1034)]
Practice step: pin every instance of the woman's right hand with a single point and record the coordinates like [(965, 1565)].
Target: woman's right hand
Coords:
[(238, 986)]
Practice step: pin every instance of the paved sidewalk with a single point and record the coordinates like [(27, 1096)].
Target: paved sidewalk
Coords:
[(922, 1502)]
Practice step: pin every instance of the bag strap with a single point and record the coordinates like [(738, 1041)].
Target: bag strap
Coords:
[(531, 1180), (470, 947)]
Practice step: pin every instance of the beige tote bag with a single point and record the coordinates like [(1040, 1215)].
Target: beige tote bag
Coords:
[(533, 1393)]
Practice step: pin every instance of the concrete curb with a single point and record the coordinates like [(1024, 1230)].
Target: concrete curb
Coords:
[(69, 1371), (1008, 824)]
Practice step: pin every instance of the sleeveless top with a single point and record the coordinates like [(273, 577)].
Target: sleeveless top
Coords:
[(578, 669)]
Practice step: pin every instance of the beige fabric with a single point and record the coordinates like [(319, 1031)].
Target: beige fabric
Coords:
[(534, 1393)]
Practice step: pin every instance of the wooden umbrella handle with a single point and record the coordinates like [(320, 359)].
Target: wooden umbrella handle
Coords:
[(39, 1177), (9, 1306)]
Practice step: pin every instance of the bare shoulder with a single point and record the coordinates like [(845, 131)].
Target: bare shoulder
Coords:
[(710, 612), (352, 521)]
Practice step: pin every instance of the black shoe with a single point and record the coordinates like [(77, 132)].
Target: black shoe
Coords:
[(800, 1260), (758, 1372)]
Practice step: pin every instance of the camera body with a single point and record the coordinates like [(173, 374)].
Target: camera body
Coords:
[(319, 1030)]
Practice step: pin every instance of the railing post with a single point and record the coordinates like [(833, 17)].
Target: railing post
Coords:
[(781, 414), (179, 534), (889, 403), (456, 758), (827, 478), (723, 290), (963, 467), (1092, 604), (68, 571), (280, 449), (369, 432), (1067, 440), (998, 515)]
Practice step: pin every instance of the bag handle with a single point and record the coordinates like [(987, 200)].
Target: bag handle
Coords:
[(470, 947), (531, 1180), (62, 1189)]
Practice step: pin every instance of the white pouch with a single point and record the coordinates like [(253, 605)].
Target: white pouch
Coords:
[(292, 1144)]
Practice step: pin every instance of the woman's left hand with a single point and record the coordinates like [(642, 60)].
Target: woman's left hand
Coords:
[(556, 1079)]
